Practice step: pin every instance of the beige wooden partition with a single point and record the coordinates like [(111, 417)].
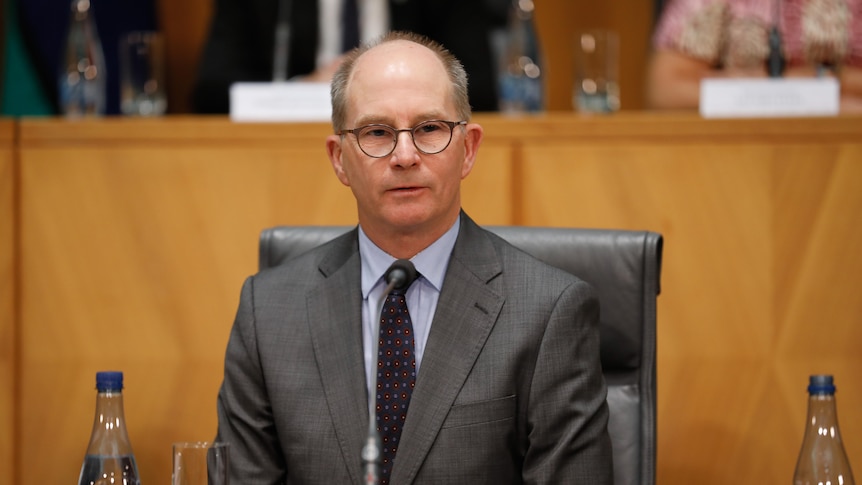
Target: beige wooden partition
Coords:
[(135, 237), (7, 301), (763, 223)]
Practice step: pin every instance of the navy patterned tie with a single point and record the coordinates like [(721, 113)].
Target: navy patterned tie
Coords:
[(396, 375)]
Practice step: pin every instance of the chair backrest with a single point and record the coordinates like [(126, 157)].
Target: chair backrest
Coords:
[(625, 269)]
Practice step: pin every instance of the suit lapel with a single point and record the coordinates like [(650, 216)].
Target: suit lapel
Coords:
[(334, 309), (466, 312)]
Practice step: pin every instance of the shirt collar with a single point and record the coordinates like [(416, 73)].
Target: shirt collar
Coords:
[(431, 262)]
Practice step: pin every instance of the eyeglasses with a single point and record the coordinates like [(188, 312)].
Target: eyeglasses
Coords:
[(429, 137)]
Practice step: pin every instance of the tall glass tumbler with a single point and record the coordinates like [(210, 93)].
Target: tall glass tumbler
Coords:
[(200, 463), (596, 87), (142, 74)]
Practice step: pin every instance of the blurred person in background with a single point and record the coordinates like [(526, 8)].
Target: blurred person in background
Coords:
[(240, 45), (697, 39)]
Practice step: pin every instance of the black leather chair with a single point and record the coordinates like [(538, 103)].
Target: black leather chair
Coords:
[(625, 269)]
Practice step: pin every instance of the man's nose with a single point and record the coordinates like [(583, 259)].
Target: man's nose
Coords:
[(405, 153)]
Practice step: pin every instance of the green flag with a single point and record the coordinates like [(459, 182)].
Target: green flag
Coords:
[(22, 92)]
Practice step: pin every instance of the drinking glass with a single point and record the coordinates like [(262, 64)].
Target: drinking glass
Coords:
[(142, 74), (596, 87), (200, 463)]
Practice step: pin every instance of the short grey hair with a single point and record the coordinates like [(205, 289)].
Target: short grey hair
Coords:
[(454, 68)]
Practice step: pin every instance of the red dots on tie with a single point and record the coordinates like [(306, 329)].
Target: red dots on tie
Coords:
[(395, 365)]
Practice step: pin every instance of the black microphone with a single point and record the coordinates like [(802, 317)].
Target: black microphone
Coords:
[(775, 62), (399, 276), (281, 48)]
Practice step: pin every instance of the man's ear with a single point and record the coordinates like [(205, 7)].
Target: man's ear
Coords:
[(473, 134), (334, 151)]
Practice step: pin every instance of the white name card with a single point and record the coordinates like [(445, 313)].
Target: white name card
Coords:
[(772, 97), (283, 101)]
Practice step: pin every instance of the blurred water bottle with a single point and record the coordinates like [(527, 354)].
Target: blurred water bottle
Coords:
[(109, 456), (822, 459), (82, 74), (520, 72)]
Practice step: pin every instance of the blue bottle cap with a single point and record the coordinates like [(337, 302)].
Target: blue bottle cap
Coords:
[(109, 381), (821, 384)]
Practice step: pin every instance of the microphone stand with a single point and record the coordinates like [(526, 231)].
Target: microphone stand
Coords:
[(281, 49), (371, 452), (399, 275), (775, 62)]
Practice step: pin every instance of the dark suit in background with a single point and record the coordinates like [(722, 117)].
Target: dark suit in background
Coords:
[(241, 38)]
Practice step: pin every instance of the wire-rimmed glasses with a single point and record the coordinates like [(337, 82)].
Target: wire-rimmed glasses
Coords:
[(379, 140)]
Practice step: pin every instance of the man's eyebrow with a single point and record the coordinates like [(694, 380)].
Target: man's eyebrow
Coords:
[(381, 120), (373, 120), (433, 115)]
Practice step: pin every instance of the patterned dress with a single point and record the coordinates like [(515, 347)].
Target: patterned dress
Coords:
[(734, 33)]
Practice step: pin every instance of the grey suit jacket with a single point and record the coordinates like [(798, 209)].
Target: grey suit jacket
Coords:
[(510, 389)]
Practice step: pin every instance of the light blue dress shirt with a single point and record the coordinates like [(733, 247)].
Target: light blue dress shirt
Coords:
[(422, 296)]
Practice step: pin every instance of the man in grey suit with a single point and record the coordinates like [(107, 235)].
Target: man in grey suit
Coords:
[(503, 381)]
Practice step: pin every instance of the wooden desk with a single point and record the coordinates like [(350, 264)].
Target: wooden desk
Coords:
[(136, 236)]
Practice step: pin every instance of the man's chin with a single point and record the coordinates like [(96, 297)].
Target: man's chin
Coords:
[(408, 220), (411, 217)]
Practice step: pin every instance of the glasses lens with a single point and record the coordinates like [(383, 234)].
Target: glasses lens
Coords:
[(432, 136), (376, 140)]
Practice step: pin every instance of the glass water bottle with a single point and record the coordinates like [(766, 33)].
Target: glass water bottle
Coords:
[(520, 77), (109, 458), (822, 459), (82, 76)]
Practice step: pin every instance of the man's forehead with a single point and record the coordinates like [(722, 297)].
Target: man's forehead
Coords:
[(396, 58), (399, 68)]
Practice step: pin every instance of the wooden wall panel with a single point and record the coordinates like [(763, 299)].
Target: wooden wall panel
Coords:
[(8, 290), (185, 26), (133, 261), (758, 283)]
